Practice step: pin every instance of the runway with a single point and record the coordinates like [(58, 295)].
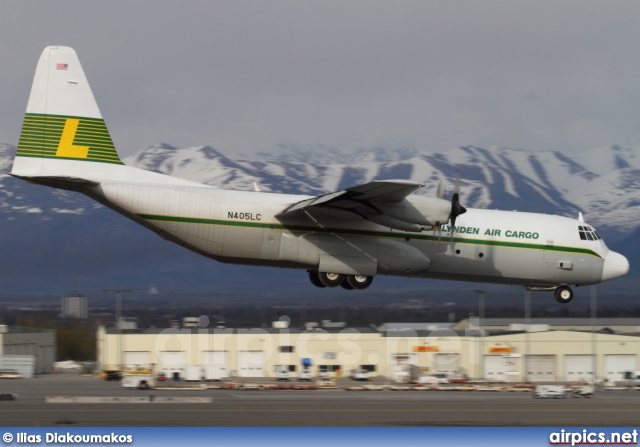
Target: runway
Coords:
[(332, 408)]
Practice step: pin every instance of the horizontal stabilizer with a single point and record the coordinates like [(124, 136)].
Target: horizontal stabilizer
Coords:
[(72, 183)]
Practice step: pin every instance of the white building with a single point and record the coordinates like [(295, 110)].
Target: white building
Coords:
[(541, 356), (74, 306)]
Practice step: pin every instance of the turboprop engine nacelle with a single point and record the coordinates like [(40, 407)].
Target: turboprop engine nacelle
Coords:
[(417, 212)]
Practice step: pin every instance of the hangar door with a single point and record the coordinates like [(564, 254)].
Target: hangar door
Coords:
[(501, 368), (616, 364), (541, 368), (173, 363), (216, 364), (578, 368), (251, 363), (446, 363)]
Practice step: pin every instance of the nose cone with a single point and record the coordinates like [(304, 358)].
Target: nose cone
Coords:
[(615, 265)]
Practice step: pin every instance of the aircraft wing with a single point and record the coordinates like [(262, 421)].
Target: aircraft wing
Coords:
[(369, 195)]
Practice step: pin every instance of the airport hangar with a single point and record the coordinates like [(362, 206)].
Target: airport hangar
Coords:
[(27, 350), (565, 349)]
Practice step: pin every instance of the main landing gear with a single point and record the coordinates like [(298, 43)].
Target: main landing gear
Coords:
[(349, 282), (563, 294)]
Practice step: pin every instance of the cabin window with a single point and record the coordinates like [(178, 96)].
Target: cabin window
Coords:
[(587, 233)]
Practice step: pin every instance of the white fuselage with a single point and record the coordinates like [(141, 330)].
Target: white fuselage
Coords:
[(241, 227)]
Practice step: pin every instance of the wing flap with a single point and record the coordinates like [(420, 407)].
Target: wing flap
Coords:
[(384, 191)]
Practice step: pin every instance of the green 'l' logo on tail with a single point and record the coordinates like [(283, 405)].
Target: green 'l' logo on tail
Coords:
[(67, 137)]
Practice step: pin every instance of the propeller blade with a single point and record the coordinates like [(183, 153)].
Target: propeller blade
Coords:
[(440, 192), (456, 184), (456, 208)]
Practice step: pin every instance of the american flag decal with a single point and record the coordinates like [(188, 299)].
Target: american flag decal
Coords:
[(62, 66)]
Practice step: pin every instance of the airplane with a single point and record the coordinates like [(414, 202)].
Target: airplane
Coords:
[(343, 238)]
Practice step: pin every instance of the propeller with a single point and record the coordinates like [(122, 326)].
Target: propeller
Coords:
[(456, 208)]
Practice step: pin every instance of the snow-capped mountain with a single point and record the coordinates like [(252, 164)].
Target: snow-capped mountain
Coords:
[(62, 240)]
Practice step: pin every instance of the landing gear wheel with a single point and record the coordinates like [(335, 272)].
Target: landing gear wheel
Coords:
[(315, 279), (563, 294), (330, 279), (359, 282)]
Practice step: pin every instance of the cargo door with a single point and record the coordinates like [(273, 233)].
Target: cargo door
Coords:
[(615, 366), (578, 368), (447, 362), (541, 368), (251, 363), (215, 364)]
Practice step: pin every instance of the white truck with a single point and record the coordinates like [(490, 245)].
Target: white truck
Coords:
[(139, 381), (550, 392), (194, 373), (215, 372)]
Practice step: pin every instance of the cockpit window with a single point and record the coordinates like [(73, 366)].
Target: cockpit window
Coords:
[(587, 233)]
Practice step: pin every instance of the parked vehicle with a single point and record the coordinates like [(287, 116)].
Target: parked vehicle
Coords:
[(139, 381), (433, 379), (407, 373), (194, 373), (282, 374), (305, 374), (112, 375), (583, 391), (215, 372), (10, 374), (632, 378), (359, 374), (550, 392)]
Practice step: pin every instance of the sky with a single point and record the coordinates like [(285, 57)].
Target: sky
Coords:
[(254, 76)]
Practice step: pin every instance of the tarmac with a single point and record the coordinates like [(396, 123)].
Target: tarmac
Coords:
[(75, 400)]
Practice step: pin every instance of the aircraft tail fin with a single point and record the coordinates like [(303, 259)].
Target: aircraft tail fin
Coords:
[(63, 127)]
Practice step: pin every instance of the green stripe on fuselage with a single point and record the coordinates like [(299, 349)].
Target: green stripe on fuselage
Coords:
[(348, 232)]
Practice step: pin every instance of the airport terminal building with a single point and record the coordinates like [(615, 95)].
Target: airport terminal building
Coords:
[(573, 351)]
